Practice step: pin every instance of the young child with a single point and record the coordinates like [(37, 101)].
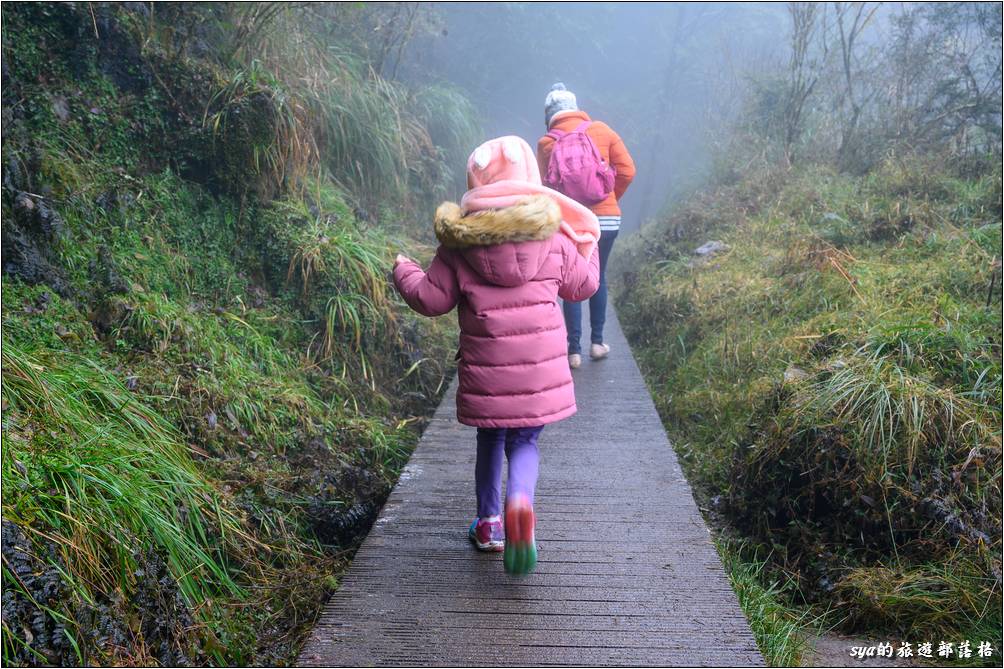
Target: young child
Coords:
[(507, 252)]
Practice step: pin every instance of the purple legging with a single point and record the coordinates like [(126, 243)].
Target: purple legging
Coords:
[(520, 447)]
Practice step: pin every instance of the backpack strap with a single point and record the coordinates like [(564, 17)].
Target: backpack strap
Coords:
[(596, 150), (558, 134)]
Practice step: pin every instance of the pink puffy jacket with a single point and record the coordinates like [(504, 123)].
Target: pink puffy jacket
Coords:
[(504, 270)]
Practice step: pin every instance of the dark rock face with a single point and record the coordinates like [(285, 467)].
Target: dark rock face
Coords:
[(35, 585), (31, 238), (337, 524), (34, 230), (119, 57), (342, 500), (342, 528), (32, 584)]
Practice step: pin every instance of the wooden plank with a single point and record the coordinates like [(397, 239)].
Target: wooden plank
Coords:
[(627, 573)]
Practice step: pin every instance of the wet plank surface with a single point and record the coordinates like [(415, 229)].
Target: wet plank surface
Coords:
[(627, 572)]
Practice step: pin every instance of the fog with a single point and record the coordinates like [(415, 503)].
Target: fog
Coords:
[(666, 77)]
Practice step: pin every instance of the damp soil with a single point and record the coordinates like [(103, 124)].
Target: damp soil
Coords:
[(834, 650)]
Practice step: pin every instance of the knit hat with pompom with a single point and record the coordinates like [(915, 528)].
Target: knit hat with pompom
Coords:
[(558, 100)]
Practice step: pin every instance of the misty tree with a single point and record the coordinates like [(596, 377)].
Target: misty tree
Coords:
[(851, 19), (669, 78), (931, 80), (804, 69), (686, 86), (686, 25), (946, 76)]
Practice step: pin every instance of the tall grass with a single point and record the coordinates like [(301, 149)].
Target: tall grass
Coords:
[(895, 417), (451, 120), (369, 139), (778, 630), (108, 478), (261, 129), (952, 594), (332, 261), (327, 106)]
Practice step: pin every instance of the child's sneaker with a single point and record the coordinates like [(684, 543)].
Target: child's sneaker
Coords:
[(520, 555), (486, 534)]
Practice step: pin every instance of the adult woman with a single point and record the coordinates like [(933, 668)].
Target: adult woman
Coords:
[(562, 115)]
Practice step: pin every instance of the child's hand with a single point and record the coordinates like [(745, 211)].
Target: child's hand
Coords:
[(400, 259)]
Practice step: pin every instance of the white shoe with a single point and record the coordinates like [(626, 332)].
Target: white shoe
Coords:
[(599, 351), (574, 360)]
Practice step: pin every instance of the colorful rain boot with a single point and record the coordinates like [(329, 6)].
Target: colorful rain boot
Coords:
[(486, 534), (520, 555)]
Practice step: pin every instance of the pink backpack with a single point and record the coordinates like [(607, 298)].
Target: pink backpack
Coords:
[(576, 167)]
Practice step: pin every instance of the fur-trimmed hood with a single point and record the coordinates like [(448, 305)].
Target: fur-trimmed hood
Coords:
[(534, 219), (506, 246)]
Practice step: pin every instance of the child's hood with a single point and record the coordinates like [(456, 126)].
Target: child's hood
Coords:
[(506, 246), (503, 172)]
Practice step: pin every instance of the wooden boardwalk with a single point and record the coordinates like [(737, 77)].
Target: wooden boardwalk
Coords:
[(627, 572)]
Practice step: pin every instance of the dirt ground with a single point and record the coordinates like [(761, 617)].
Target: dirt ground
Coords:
[(834, 650)]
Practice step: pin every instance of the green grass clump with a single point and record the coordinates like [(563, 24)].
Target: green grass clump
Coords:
[(336, 266), (105, 478), (832, 381), (779, 632)]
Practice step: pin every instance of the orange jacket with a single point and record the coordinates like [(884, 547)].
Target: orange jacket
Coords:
[(611, 147)]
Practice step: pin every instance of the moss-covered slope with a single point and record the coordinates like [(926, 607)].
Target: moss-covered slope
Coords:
[(207, 388), (831, 377)]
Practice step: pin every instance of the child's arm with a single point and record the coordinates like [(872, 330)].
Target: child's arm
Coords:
[(580, 277), (431, 293)]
